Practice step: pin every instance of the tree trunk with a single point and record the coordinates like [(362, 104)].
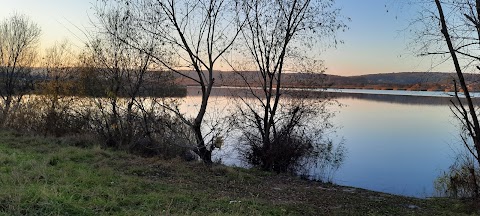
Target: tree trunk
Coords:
[(6, 110), (204, 153), (202, 150), (475, 133), (471, 108)]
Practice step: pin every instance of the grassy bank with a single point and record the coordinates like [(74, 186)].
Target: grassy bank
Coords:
[(50, 176)]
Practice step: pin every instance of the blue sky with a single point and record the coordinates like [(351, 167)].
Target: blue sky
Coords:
[(374, 43), (378, 40), (58, 19)]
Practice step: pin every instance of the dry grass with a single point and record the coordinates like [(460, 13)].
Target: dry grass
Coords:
[(47, 176)]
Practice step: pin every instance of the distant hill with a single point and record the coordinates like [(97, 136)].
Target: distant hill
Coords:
[(437, 81), (403, 78), (422, 81), (431, 81)]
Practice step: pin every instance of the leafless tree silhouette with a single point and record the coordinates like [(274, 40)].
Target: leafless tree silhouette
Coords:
[(277, 35), (191, 37), (451, 28), (18, 50)]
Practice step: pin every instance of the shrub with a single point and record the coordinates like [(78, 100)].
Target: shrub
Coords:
[(283, 155), (297, 142), (462, 180)]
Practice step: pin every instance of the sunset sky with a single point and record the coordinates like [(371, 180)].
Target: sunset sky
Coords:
[(375, 42)]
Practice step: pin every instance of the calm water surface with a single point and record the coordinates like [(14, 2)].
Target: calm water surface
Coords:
[(396, 143), (397, 148)]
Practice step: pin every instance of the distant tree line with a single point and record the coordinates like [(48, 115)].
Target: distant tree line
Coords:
[(85, 83)]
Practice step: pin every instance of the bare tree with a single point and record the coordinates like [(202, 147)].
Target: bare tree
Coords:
[(191, 38), (466, 113), (18, 50), (56, 87), (120, 71), (452, 29), (274, 34)]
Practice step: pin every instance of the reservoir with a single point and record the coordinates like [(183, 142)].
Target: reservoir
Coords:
[(397, 141)]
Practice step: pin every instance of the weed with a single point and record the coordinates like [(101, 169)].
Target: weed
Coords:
[(40, 176)]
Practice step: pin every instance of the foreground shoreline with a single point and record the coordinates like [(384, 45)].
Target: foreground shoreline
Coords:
[(69, 176)]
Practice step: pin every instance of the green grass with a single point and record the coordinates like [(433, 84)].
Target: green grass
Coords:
[(48, 176)]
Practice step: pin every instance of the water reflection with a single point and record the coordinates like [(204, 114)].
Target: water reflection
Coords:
[(396, 144), (388, 96), (393, 147), (399, 99), (396, 99)]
